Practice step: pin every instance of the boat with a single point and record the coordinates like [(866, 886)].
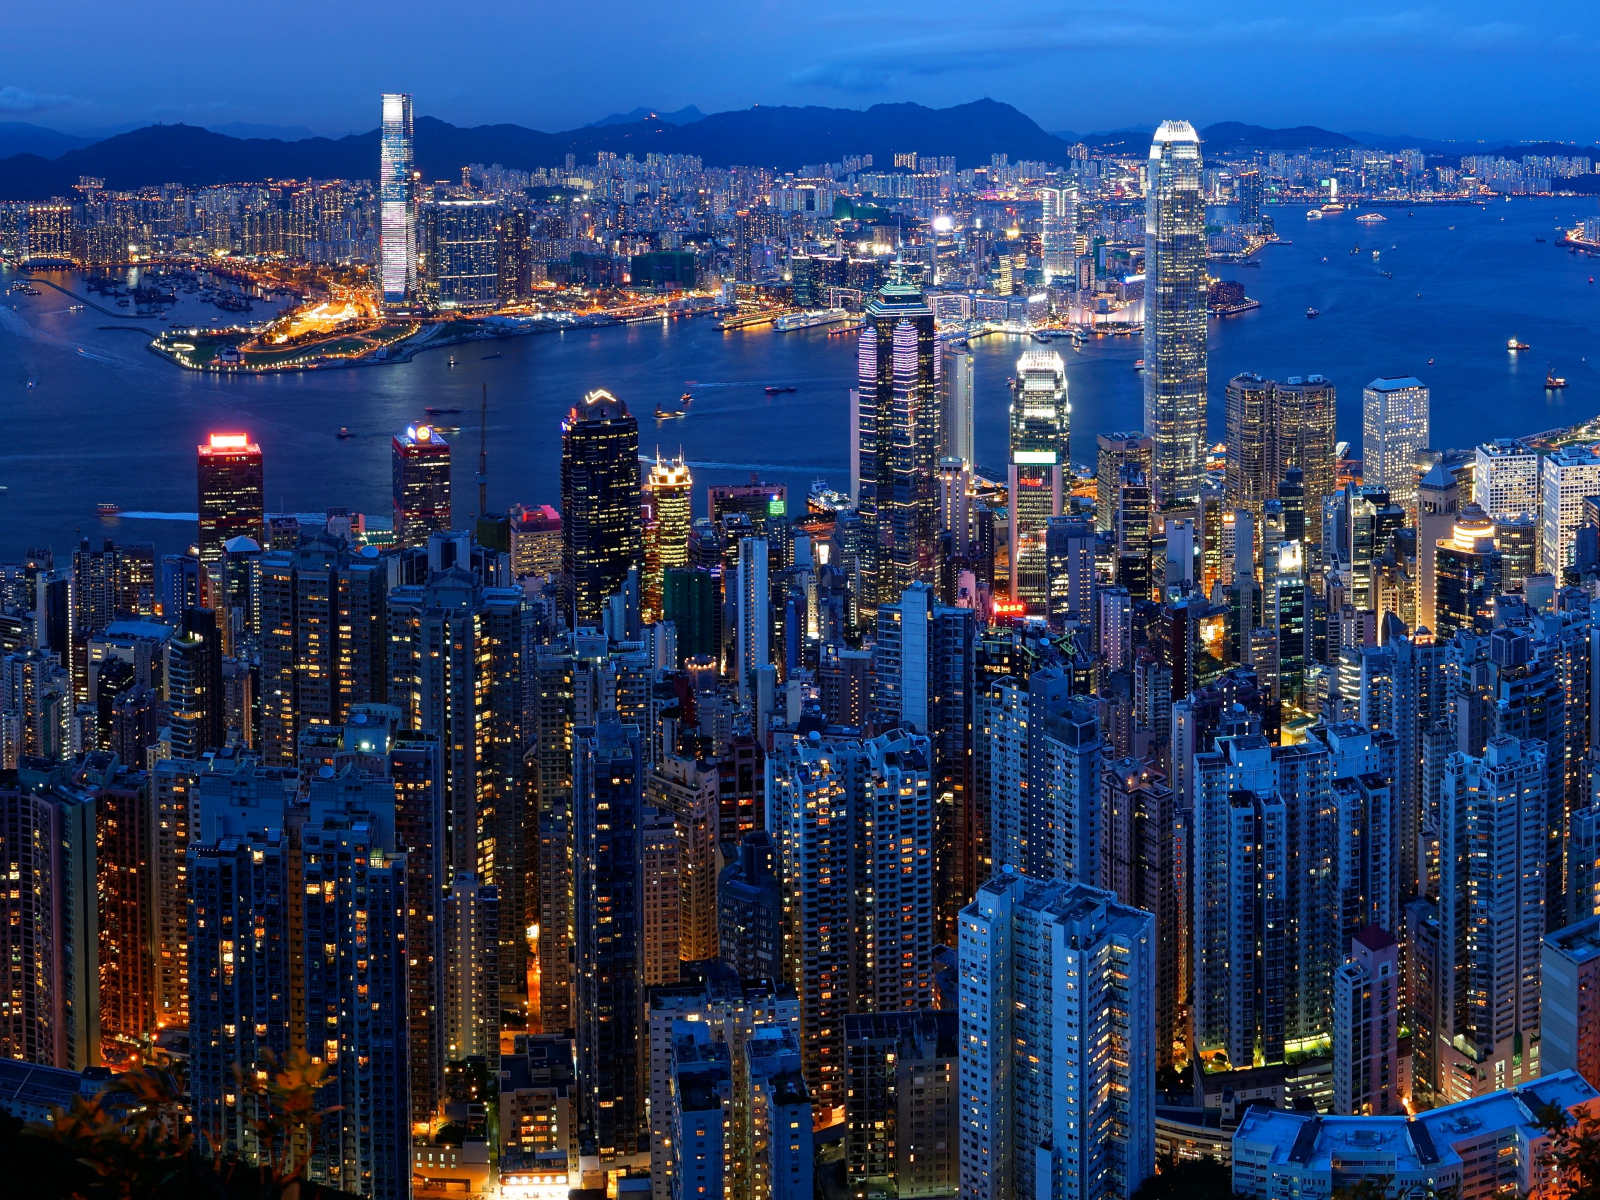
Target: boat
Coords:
[(686, 398), (1355, 249), (452, 360), (1138, 364), (107, 509), (434, 410), (667, 414), (823, 501), (1538, 239), (1313, 214), (496, 354), (808, 320), (1513, 344), (778, 391), (1313, 312), (344, 434), (1374, 256), (1388, 274), (1552, 381), (1371, 218), (1430, 362)]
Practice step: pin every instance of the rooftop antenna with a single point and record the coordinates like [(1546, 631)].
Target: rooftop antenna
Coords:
[(483, 454)]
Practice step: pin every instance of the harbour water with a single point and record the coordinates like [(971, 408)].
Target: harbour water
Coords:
[(107, 421)]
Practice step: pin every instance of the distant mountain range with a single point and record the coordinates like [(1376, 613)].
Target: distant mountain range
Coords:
[(36, 162)]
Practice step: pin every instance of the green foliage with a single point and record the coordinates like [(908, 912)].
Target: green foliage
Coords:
[(1187, 1179)]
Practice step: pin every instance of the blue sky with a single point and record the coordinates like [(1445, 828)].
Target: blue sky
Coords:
[(1467, 69)]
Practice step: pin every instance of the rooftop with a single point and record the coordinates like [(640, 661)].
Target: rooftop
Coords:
[(1579, 942)]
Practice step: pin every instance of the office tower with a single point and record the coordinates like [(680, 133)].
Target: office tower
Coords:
[(1115, 451), (421, 462), (1371, 517), (668, 491), (458, 252), (1394, 430), (455, 669), (1302, 435), (600, 525), (762, 504), (1469, 573), (1368, 1074), (1491, 916), (1041, 449), (688, 600), (1055, 973), (750, 910), (1247, 192), (232, 494), (898, 435), (1293, 1152), (194, 685), (535, 541), (1058, 226), (1175, 314), (323, 640), (353, 957), (1284, 613), (397, 214), (1567, 476), (1144, 856), (607, 776), (1517, 539), (1249, 411), (1256, 988), (94, 606), (958, 392), (754, 607), (1131, 530), (1569, 999), (1438, 502), (1505, 478), (701, 1111), (902, 1109), (1070, 573), (471, 939)]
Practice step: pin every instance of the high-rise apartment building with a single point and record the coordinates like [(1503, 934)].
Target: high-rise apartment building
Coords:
[(1175, 314), (1058, 1059), (1491, 916), (1041, 448), (1569, 1000), (601, 534), (1567, 476), (397, 212), (902, 1108), (1369, 1076), (232, 494), (1394, 430), (421, 468), (898, 440)]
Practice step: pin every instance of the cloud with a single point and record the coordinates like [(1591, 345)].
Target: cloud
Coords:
[(19, 100)]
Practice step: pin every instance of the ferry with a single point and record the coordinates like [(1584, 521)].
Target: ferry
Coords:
[(667, 414), (1313, 214), (1513, 344), (1138, 364), (107, 509), (823, 501), (1371, 218), (789, 322)]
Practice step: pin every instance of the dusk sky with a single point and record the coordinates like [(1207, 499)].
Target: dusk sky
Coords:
[(1466, 69)]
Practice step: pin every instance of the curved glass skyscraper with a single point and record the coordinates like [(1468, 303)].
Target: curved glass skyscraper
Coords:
[(1175, 313), (397, 214)]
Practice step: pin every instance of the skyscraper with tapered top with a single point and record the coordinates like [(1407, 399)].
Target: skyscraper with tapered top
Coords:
[(1041, 442), (397, 211), (1175, 313), (600, 521)]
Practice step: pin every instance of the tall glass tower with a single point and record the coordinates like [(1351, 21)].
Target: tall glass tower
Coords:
[(1040, 447), (397, 231), (1059, 228), (1175, 313)]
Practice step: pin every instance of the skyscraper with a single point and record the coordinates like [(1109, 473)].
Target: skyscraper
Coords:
[(1394, 429), (397, 218), (1567, 476), (958, 389), (1368, 1075), (898, 435), (1273, 428), (232, 494), (601, 536), (1041, 447), (1469, 574), (1113, 451), (1505, 478), (1059, 229), (458, 255), (1175, 313), (421, 461), (1058, 1057), (668, 490)]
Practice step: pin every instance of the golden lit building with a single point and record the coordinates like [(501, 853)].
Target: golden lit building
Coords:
[(667, 491)]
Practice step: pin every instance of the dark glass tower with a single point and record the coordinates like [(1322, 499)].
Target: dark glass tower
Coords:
[(232, 493), (600, 523), (897, 433), (421, 459)]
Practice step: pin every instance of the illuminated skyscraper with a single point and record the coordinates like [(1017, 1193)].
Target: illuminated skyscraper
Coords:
[(232, 493), (1394, 427), (397, 230), (1059, 224), (1041, 445), (958, 406), (1175, 313), (600, 527), (459, 253), (898, 402), (668, 490), (421, 459)]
